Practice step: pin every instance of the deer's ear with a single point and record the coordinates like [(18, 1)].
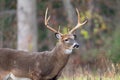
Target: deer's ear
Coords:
[(75, 36), (57, 35)]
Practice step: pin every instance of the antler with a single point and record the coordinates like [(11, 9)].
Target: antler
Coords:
[(78, 24), (46, 23)]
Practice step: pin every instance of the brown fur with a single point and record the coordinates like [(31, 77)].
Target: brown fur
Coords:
[(37, 66), (45, 65)]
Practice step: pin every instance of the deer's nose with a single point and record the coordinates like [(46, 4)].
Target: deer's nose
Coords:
[(76, 46)]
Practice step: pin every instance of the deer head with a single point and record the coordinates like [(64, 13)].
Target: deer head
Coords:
[(67, 40)]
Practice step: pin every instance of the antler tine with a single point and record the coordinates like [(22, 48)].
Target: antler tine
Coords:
[(59, 29), (46, 22), (78, 24)]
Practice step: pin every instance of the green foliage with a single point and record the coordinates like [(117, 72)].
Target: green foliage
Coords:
[(65, 30), (42, 34), (41, 5), (57, 4), (115, 49), (10, 4), (45, 47), (105, 10), (85, 34)]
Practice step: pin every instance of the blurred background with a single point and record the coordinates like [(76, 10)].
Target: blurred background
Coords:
[(98, 58)]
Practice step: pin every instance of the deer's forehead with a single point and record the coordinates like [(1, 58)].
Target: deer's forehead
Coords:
[(65, 36)]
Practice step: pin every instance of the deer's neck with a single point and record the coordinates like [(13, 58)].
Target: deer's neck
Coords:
[(62, 49), (59, 60), (59, 52)]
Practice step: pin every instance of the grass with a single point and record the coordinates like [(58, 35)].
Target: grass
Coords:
[(90, 77)]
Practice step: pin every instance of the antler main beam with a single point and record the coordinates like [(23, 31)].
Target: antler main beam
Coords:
[(46, 23), (79, 24)]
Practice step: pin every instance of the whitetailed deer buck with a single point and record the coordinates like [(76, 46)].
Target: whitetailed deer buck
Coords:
[(45, 65)]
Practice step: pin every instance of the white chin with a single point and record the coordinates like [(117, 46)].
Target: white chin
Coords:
[(68, 51)]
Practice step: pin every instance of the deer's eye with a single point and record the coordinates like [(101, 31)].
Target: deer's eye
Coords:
[(66, 39)]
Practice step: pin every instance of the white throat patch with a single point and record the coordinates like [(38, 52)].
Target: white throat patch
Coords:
[(68, 51)]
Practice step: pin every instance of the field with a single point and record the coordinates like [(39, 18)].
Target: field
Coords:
[(91, 77), (112, 73)]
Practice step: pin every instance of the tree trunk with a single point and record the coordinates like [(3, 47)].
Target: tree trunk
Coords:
[(1, 36), (27, 26), (91, 11), (2, 3), (71, 15)]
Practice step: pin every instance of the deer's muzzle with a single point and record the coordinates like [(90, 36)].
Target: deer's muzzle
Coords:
[(76, 45)]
